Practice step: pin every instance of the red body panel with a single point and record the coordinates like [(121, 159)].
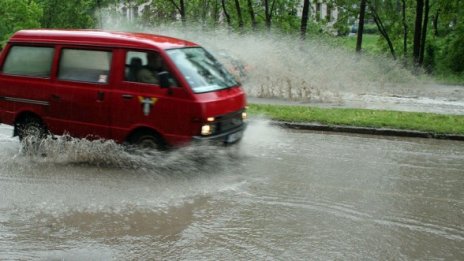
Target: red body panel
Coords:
[(99, 38), (115, 109), (222, 102)]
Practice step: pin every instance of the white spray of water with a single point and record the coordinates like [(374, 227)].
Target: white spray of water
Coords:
[(184, 161), (282, 66), (68, 174)]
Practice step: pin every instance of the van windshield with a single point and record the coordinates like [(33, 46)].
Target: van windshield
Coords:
[(201, 70)]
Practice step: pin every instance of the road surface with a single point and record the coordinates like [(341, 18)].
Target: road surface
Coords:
[(280, 195)]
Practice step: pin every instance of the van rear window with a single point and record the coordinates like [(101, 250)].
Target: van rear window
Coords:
[(29, 61), (85, 65)]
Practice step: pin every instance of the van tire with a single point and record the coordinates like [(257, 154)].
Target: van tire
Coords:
[(146, 139), (30, 127)]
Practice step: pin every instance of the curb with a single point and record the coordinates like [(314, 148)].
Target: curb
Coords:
[(364, 130)]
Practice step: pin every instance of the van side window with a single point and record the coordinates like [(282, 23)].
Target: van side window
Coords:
[(29, 61), (135, 61), (144, 67), (85, 65)]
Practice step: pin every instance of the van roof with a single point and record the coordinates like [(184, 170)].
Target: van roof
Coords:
[(99, 38)]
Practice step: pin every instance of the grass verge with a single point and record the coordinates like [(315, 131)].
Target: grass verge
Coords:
[(369, 43), (428, 122)]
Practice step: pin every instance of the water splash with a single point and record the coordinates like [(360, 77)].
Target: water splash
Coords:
[(282, 66), (63, 150)]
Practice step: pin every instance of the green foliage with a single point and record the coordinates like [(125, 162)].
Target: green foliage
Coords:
[(370, 43), (444, 51), (68, 13), (448, 54), (341, 27), (23, 14), (454, 51), (16, 15)]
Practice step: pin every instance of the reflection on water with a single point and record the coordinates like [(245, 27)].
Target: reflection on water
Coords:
[(279, 195)]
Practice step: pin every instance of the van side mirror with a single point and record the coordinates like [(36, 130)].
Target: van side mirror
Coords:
[(163, 78)]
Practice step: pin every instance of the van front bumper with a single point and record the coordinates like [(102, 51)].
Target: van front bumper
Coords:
[(228, 137)]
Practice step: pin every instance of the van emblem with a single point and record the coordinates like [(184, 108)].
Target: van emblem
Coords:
[(147, 103)]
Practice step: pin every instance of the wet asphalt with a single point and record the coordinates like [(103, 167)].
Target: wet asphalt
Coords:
[(281, 194)]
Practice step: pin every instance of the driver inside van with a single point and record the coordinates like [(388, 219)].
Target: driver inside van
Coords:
[(149, 72)]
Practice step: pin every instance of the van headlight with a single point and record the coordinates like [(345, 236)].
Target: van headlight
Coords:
[(206, 129)]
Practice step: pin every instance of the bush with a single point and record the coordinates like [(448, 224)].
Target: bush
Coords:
[(453, 51), (456, 56)]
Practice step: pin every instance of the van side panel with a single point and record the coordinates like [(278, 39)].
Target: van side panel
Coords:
[(22, 95), (134, 105), (168, 112), (81, 110), (79, 103), (169, 116), (25, 82)]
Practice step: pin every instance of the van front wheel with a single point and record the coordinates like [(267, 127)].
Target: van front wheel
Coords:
[(30, 127), (147, 140)]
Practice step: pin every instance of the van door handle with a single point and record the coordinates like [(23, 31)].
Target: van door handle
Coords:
[(127, 96), (56, 97), (100, 96)]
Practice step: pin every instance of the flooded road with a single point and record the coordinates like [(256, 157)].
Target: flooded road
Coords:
[(280, 195)]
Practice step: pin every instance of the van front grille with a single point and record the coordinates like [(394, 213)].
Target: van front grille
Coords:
[(229, 121)]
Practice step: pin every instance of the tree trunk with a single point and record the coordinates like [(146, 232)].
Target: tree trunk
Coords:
[(424, 32), (204, 10), (304, 19), (418, 30), (382, 30), (362, 12), (215, 12), (252, 14), (182, 12), (225, 12), (405, 29), (181, 9), (435, 22), (239, 14), (268, 13)]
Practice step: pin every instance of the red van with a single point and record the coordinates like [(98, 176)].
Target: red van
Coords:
[(137, 88)]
